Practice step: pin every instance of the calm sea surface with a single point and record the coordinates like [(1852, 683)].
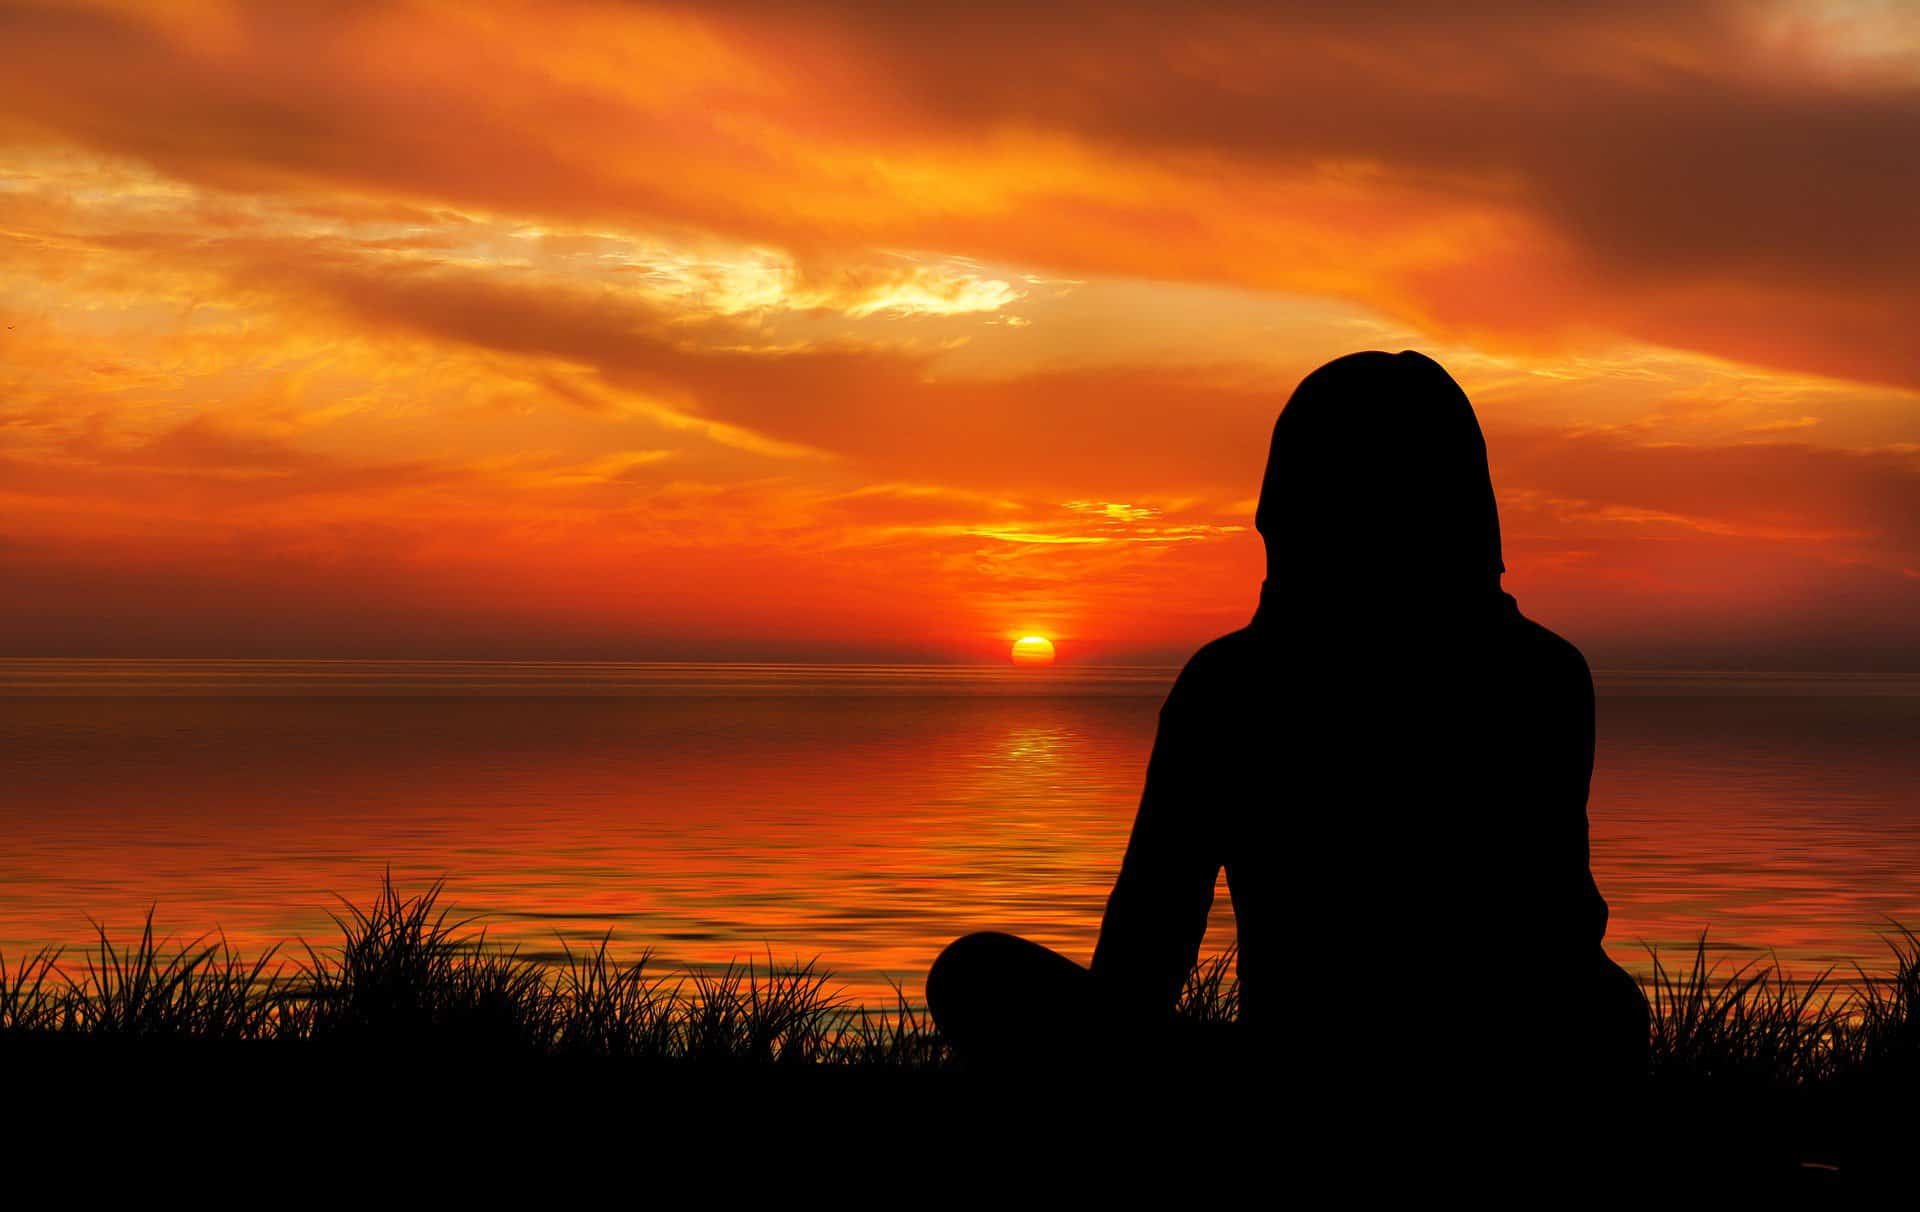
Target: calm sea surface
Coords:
[(861, 814)]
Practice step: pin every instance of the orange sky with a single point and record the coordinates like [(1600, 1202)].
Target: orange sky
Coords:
[(893, 332)]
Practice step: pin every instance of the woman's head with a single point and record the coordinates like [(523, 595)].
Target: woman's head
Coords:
[(1377, 480)]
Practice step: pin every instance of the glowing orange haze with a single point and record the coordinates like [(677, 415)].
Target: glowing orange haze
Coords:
[(808, 331)]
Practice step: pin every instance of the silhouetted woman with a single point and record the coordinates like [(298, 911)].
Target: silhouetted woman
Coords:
[(1391, 764)]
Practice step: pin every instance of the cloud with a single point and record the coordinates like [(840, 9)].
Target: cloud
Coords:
[(1747, 553), (718, 376), (748, 328), (1719, 177)]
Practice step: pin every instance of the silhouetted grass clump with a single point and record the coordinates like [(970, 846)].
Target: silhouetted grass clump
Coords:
[(1882, 1037), (607, 1008), (33, 996), (150, 989), (1212, 994), (1758, 1025), (405, 974)]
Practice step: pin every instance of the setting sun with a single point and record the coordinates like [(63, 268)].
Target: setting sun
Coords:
[(1033, 650)]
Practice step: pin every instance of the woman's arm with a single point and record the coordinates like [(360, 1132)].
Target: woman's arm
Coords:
[(1157, 913), (1584, 909)]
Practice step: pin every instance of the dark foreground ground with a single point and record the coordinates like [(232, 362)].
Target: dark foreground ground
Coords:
[(410, 1063), (316, 1119)]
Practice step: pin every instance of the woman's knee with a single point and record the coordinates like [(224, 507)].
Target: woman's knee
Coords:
[(967, 963)]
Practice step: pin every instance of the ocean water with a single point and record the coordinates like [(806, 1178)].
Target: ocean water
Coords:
[(863, 815)]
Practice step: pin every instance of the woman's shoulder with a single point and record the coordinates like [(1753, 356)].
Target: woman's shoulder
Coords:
[(1222, 658), (1222, 671), (1548, 655)]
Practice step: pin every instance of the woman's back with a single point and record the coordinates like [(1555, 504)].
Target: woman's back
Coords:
[(1386, 802)]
